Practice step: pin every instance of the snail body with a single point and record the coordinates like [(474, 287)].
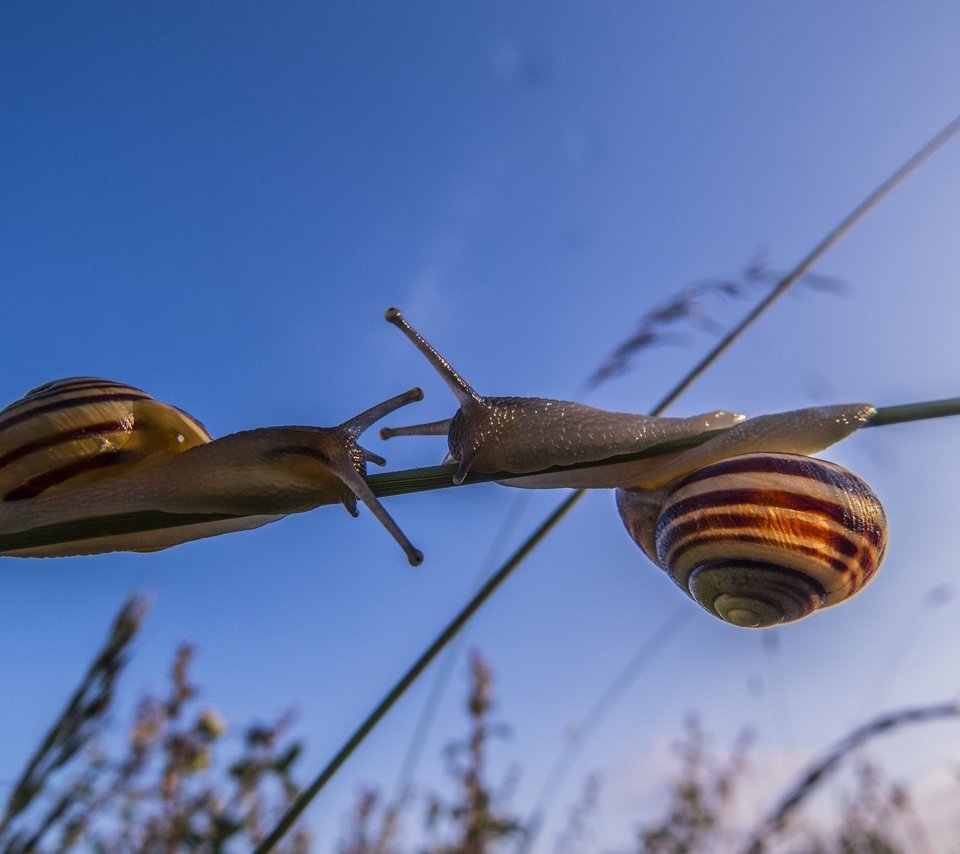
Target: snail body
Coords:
[(90, 466), (521, 435), (530, 434)]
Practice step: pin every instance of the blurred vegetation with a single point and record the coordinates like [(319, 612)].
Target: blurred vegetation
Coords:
[(171, 785), (168, 790)]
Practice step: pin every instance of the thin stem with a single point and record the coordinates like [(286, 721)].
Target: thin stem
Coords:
[(815, 255), (915, 412), (439, 477), (402, 483), (611, 695), (815, 775), (81, 718), (427, 715), (485, 592)]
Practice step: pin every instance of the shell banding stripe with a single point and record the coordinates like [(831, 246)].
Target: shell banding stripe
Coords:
[(62, 395), (69, 432), (820, 519)]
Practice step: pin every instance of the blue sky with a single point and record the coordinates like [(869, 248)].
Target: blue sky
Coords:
[(216, 202)]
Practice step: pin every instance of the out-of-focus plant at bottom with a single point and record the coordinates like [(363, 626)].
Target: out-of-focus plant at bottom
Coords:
[(172, 788), (169, 789)]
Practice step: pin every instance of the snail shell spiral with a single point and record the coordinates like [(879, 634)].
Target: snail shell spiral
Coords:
[(763, 539), (71, 432)]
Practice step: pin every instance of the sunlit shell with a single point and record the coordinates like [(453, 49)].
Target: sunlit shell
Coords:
[(762, 539), (68, 433)]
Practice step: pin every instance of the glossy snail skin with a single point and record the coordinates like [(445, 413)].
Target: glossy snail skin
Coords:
[(88, 455), (530, 434), (761, 539)]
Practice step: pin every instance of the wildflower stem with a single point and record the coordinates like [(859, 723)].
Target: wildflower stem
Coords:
[(408, 678), (817, 773), (814, 255)]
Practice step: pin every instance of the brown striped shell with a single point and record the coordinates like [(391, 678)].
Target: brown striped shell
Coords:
[(762, 539), (69, 433)]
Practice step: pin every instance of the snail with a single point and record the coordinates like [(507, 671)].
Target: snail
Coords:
[(745, 523), (530, 434), (89, 466)]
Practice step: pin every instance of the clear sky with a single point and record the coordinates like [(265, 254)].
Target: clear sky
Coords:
[(216, 202)]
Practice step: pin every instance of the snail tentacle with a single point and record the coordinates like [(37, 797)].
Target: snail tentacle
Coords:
[(458, 385), (363, 421)]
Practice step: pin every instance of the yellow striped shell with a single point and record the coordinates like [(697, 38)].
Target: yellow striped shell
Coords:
[(89, 466), (762, 539), (71, 432)]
